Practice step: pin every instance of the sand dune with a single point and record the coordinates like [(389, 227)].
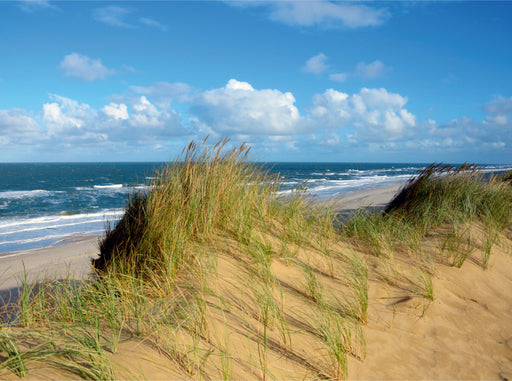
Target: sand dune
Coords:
[(465, 332)]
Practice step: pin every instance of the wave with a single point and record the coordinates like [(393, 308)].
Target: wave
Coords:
[(16, 195), (54, 219), (48, 227), (53, 238), (109, 186), (115, 188), (328, 188), (28, 233)]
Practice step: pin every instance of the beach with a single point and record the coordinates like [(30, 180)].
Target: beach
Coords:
[(465, 332), (69, 260)]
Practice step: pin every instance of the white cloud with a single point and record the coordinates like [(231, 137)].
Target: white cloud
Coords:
[(497, 119), (370, 120), (66, 116), (494, 132), (116, 111), (68, 122), (375, 114), (114, 16), (82, 67), (239, 108), (18, 128), (145, 114), (325, 14), (233, 84), (152, 23), (374, 69), (316, 64), (117, 17)]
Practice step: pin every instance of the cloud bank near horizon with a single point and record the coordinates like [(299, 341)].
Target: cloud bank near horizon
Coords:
[(157, 116)]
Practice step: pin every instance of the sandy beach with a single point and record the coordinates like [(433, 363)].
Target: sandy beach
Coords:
[(69, 260), (465, 332)]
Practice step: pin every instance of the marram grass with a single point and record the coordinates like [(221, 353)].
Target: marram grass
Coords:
[(213, 275), (193, 199)]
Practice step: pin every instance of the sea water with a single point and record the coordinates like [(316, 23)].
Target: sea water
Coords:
[(41, 204)]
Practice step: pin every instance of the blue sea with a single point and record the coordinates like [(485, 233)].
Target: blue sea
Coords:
[(41, 204)]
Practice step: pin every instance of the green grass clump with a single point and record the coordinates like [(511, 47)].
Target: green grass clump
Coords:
[(440, 196), (443, 193), (193, 199)]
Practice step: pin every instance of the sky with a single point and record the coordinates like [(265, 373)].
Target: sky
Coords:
[(307, 80)]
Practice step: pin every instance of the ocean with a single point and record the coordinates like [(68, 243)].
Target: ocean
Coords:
[(41, 204)]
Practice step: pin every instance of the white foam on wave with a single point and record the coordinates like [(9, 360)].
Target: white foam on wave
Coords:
[(55, 219), (326, 188), (115, 188), (23, 233), (53, 237), (109, 186), (47, 227), (16, 195), (496, 168)]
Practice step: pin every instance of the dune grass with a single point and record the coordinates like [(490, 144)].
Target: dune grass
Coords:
[(440, 196), (160, 280), (213, 275)]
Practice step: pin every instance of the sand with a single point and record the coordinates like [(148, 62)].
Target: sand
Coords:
[(70, 259), (464, 333)]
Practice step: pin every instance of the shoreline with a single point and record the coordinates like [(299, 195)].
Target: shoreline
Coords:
[(69, 260)]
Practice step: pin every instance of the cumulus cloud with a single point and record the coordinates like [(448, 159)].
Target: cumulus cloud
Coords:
[(116, 111), (375, 114), (16, 127), (145, 114), (66, 116), (316, 64), (465, 135), (370, 120), (64, 123), (497, 119), (82, 67), (239, 108), (114, 16)]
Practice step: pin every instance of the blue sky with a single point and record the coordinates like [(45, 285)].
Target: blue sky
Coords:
[(300, 80)]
